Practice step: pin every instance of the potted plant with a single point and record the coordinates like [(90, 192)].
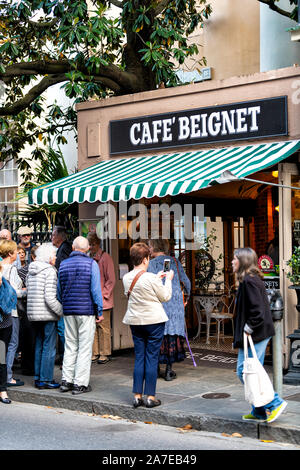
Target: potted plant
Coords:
[(208, 268), (293, 375), (294, 274)]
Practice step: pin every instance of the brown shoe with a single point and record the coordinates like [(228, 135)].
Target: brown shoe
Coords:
[(103, 361)]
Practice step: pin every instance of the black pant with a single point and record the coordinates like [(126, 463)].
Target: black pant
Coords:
[(5, 334), (26, 345)]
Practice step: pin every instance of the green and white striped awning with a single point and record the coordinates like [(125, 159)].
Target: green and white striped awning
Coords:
[(160, 175)]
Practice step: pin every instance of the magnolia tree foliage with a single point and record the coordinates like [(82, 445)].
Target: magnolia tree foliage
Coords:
[(79, 44)]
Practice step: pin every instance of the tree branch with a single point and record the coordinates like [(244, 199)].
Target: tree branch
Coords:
[(116, 3), (111, 76), (43, 24), (34, 24), (274, 7), (34, 93), (40, 67), (47, 82), (160, 7)]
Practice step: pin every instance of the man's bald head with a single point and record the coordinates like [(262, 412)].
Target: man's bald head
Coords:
[(81, 244), (5, 234)]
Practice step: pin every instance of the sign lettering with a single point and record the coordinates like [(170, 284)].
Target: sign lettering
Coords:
[(248, 120)]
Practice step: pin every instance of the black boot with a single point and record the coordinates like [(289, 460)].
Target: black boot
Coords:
[(170, 374)]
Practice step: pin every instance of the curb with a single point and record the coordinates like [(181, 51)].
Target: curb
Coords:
[(199, 422)]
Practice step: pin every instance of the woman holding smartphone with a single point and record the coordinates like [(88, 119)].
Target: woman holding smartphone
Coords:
[(172, 348), (146, 317)]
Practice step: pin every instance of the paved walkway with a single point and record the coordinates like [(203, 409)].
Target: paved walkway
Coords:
[(208, 398)]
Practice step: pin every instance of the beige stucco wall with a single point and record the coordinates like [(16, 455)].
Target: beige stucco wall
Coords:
[(94, 116), (230, 38)]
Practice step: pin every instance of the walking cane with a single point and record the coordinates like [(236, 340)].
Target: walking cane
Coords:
[(186, 338)]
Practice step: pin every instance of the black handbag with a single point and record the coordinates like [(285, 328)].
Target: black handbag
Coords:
[(21, 307)]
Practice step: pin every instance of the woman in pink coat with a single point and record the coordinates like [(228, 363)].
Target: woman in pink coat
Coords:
[(102, 341)]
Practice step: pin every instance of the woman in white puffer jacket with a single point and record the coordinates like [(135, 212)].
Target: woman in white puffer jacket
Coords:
[(43, 310)]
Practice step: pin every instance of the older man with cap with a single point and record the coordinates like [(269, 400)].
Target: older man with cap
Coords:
[(25, 234), (79, 291)]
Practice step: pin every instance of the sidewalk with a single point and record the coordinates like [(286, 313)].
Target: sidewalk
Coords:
[(208, 398)]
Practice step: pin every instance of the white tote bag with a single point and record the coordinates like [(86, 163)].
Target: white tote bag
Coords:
[(257, 384)]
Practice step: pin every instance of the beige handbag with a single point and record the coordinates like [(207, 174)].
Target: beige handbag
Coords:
[(257, 384)]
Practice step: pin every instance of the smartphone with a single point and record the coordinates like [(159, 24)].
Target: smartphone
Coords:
[(167, 265)]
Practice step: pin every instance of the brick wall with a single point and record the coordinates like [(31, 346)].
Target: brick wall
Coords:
[(263, 222)]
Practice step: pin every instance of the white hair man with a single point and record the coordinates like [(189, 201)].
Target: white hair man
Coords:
[(43, 310), (79, 291)]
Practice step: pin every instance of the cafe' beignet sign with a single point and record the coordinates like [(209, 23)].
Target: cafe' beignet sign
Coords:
[(237, 121)]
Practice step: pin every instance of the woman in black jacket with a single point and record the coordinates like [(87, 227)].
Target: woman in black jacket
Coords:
[(253, 316)]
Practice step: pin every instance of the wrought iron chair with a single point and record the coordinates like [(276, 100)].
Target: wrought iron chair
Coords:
[(210, 309)]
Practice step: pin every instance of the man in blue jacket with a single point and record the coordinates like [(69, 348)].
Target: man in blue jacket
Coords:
[(79, 291)]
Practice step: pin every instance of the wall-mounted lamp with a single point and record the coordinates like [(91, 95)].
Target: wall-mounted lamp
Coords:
[(227, 177)]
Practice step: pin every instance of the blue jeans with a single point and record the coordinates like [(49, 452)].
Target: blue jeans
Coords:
[(45, 350), (12, 347), (147, 342), (260, 349)]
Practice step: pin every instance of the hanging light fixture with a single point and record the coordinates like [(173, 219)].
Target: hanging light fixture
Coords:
[(227, 177)]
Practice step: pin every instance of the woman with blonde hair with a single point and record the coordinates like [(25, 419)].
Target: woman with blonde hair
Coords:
[(8, 252), (253, 317), (8, 302)]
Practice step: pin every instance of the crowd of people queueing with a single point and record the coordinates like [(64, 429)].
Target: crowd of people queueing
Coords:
[(60, 302), (49, 295), (64, 292)]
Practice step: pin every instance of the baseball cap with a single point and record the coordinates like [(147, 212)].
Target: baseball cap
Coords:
[(25, 230)]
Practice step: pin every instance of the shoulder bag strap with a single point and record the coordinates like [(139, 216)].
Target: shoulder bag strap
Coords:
[(248, 338), (180, 281), (182, 286), (245, 346), (9, 275), (177, 267), (137, 276)]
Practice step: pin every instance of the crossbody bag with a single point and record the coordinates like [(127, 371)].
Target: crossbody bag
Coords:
[(137, 276)]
